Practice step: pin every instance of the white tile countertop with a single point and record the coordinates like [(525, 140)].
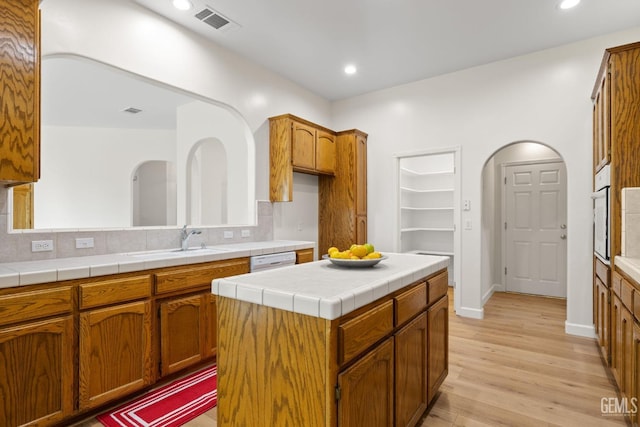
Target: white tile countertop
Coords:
[(322, 289), (52, 270), (631, 266)]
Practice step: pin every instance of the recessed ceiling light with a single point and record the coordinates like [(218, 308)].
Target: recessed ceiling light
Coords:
[(350, 69), (568, 4), (182, 4)]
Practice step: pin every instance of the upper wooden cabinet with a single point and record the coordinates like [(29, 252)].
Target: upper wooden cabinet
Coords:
[(20, 88), (301, 146), (342, 215), (616, 97)]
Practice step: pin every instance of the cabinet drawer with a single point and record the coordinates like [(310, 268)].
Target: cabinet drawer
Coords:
[(616, 284), (357, 334), (304, 255), (114, 291), (35, 304), (184, 278), (602, 271), (410, 303), (438, 287), (626, 294)]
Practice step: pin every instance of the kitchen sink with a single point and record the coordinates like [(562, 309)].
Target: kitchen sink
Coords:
[(175, 253)]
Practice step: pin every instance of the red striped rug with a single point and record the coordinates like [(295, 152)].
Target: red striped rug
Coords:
[(169, 406)]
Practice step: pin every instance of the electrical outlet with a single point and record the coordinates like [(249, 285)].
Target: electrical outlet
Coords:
[(41, 245), (228, 234), (84, 243), (246, 233)]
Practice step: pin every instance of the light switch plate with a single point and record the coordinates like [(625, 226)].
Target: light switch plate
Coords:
[(246, 233), (228, 234)]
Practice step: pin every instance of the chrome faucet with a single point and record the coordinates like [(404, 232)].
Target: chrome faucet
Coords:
[(185, 236)]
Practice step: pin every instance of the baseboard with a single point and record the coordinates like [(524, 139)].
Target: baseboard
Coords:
[(587, 331), (472, 313), (488, 294)]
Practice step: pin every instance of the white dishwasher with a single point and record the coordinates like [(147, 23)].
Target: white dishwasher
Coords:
[(270, 261)]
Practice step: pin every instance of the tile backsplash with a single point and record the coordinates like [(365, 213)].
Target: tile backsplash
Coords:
[(16, 245), (631, 222)]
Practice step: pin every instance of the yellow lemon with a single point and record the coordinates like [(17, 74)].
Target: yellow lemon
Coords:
[(373, 255), (332, 249), (354, 257), (359, 251)]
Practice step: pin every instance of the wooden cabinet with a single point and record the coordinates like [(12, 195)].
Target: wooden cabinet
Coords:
[(20, 87), (297, 145), (115, 343), (342, 216), (367, 390), (36, 372), (601, 305), (376, 366), (36, 354), (411, 398), (186, 304), (625, 341), (313, 149), (438, 345), (304, 255), (616, 95)]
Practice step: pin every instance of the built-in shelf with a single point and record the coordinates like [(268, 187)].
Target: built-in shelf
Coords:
[(437, 190), (410, 208), (407, 230), (412, 172), (426, 205)]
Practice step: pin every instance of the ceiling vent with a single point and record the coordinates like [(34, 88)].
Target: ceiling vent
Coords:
[(132, 110), (216, 20)]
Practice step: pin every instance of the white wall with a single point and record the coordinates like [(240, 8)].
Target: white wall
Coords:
[(87, 178), (542, 97)]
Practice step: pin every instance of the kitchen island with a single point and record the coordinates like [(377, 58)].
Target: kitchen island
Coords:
[(322, 345)]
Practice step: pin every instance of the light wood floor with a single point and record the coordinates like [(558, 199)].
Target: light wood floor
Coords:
[(516, 367)]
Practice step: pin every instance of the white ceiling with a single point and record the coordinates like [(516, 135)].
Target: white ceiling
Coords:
[(395, 41)]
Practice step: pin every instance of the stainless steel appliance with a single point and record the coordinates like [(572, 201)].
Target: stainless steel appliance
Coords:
[(601, 214), (270, 261)]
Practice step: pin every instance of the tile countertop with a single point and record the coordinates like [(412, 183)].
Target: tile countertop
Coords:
[(631, 266), (321, 289), (52, 270)]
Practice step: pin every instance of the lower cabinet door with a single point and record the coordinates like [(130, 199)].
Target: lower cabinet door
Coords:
[(115, 352), (366, 389), (36, 372), (182, 335), (635, 386), (437, 345), (411, 372), (210, 325)]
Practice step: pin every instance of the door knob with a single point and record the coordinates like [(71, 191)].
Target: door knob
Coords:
[(563, 226), (563, 236)]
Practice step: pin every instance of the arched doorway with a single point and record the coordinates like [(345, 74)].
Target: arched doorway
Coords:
[(524, 221), (207, 193)]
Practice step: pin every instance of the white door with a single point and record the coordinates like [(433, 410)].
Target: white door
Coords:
[(536, 232)]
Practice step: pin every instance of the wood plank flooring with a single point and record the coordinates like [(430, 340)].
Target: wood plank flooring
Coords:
[(516, 367)]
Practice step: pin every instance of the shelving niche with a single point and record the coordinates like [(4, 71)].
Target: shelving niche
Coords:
[(426, 210)]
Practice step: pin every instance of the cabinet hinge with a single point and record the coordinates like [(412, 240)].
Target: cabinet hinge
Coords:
[(505, 271), (338, 393), (505, 225), (505, 180)]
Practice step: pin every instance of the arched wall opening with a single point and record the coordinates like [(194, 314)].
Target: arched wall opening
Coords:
[(494, 259)]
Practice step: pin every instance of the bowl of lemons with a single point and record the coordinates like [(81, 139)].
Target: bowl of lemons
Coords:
[(356, 256)]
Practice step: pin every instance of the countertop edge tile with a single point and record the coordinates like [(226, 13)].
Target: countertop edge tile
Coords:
[(70, 273), (277, 299), (630, 266)]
